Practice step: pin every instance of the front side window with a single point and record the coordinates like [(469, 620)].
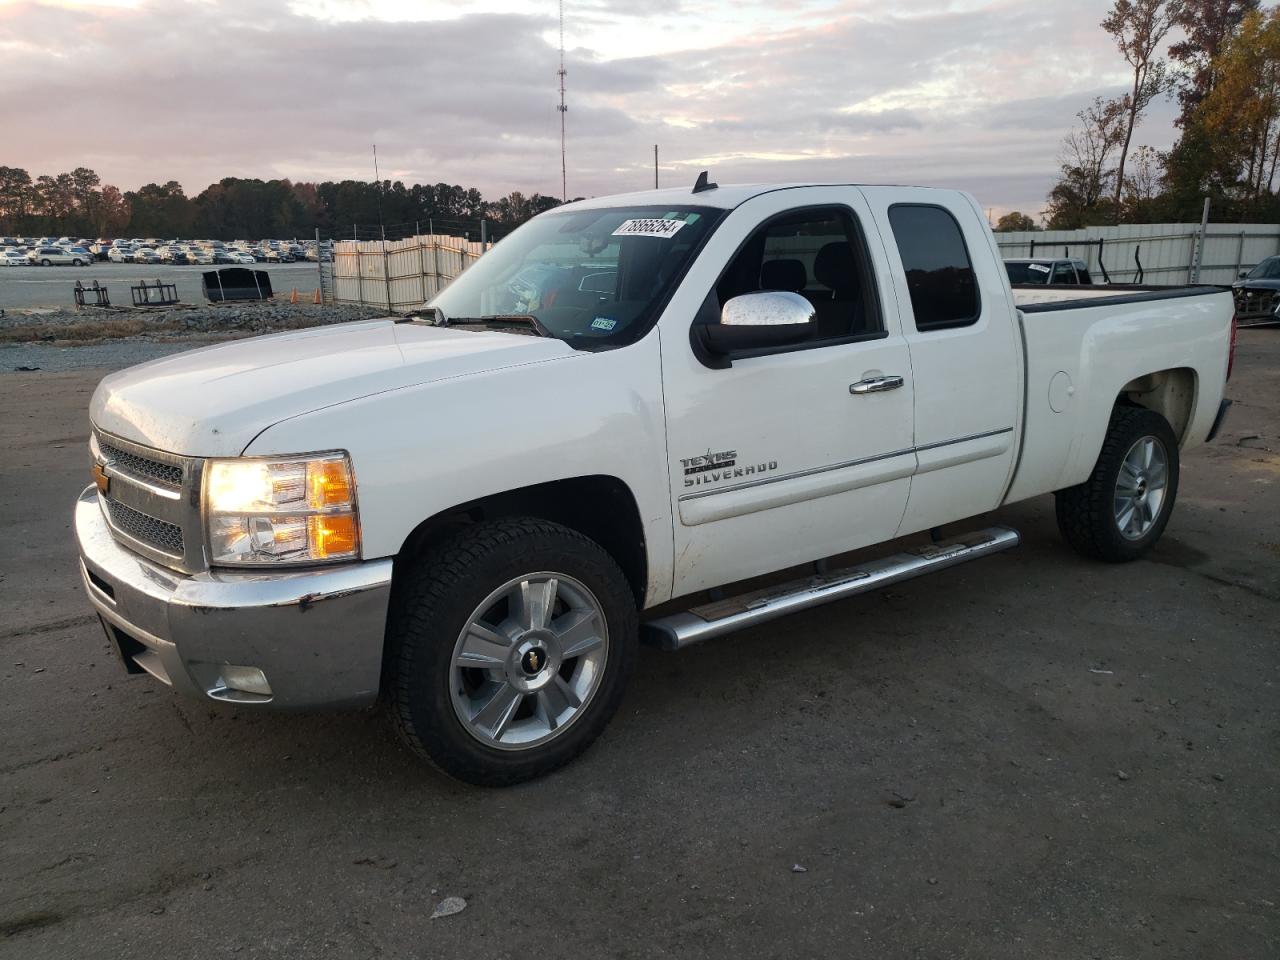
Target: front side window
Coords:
[(589, 277), (1021, 271), (940, 275), (819, 254)]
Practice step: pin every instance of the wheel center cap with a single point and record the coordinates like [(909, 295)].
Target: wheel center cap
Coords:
[(1142, 488), (533, 661)]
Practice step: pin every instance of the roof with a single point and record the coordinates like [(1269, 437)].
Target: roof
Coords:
[(725, 197)]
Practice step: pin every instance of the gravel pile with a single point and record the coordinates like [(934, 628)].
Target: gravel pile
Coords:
[(93, 324)]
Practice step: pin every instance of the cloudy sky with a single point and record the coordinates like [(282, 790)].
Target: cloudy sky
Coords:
[(962, 93)]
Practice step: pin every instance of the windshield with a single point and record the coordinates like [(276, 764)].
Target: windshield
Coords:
[(589, 277), (1027, 272), (1268, 269)]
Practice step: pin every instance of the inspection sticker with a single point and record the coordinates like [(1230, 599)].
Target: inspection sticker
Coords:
[(664, 229), (603, 323), (1038, 266)]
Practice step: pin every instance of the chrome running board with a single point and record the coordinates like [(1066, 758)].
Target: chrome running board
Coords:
[(719, 617)]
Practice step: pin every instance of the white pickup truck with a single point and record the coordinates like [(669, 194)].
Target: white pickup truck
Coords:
[(465, 515)]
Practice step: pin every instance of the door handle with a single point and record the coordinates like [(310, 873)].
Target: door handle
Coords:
[(875, 385)]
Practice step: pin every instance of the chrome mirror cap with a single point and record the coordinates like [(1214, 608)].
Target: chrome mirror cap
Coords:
[(767, 308)]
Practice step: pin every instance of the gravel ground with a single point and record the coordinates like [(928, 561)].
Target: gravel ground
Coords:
[(54, 340), (1032, 756), (24, 287)]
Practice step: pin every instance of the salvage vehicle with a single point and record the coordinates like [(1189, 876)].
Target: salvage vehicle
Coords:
[(628, 407), (49, 256), (1067, 270), (1257, 293)]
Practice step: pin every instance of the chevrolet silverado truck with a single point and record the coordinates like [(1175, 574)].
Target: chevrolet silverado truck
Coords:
[(629, 406)]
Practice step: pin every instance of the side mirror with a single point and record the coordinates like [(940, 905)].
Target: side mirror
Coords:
[(1244, 274), (753, 321)]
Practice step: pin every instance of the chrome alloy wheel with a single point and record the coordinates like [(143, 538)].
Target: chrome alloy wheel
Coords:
[(1141, 487), (529, 661)]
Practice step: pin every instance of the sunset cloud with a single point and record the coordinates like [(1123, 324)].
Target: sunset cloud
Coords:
[(975, 95)]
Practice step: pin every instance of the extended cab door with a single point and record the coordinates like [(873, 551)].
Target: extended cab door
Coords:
[(958, 319), (785, 456)]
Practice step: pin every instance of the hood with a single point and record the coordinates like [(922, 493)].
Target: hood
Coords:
[(215, 400), (1256, 285)]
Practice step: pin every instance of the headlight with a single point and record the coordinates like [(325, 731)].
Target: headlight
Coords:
[(286, 510)]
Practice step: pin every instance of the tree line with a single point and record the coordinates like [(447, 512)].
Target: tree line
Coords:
[(78, 204), (1223, 70)]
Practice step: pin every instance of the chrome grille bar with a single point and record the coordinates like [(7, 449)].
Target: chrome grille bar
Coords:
[(152, 501)]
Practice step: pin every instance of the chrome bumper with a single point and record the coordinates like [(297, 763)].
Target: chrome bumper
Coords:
[(315, 634)]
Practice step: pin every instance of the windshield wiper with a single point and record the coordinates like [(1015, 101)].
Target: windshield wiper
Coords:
[(497, 320)]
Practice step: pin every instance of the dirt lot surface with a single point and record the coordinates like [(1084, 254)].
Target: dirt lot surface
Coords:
[(1032, 756)]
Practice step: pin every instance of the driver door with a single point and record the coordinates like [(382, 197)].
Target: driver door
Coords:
[(780, 456)]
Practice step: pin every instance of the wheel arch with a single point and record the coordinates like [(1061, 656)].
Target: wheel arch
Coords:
[(599, 506), (1170, 393)]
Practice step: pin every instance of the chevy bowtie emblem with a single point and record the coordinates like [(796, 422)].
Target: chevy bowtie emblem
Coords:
[(533, 661), (100, 478)]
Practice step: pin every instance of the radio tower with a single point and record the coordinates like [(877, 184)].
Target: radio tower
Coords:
[(564, 189)]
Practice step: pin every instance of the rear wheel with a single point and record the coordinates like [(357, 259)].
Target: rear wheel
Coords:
[(46, 262), (1120, 512), (509, 650)]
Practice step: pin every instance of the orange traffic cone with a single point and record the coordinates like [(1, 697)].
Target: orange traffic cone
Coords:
[(316, 298), (293, 297)]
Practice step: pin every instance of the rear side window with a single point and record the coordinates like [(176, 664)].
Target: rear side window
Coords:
[(940, 276)]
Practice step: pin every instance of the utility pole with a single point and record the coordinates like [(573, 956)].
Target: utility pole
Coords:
[(564, 188), (655, 166)]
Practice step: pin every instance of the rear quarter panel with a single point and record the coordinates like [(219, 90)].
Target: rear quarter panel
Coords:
[(1098, 349)]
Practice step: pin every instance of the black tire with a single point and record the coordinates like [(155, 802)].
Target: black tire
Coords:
[(433, 604), (46, 263), (1086, 512)]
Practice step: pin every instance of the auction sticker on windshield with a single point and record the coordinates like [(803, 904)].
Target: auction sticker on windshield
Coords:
[(649, 228)]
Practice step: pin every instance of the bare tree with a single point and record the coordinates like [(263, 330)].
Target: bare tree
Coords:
[(1089, 146), (1086, 156), (1138, 28)]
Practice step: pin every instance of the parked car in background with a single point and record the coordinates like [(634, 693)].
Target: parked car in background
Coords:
[(120, 253), (13, 257), (1257, 292), (146, 255), (241, 257), (201, 256), (50, 256), (1047, 270)]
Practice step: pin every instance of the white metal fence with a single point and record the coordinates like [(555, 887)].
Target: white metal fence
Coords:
[(399, 275), (1166, 251)]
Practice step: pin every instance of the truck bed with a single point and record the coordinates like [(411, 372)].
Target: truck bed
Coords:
[(1087, 346)]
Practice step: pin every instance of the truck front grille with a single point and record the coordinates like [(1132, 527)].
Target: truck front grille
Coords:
[(152, 531), (144, 468), (151, 500)]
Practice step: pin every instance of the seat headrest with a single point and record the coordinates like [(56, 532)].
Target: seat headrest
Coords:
[(834, 267), (783, 275)]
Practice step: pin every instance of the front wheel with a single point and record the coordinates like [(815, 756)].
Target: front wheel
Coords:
[(46, 262), (1120, 512), (509, 650)]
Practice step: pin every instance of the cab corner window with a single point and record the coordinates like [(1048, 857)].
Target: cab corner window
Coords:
[(818, 253), (940, 275)]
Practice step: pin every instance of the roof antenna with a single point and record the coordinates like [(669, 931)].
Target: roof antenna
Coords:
[(703, 183)]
